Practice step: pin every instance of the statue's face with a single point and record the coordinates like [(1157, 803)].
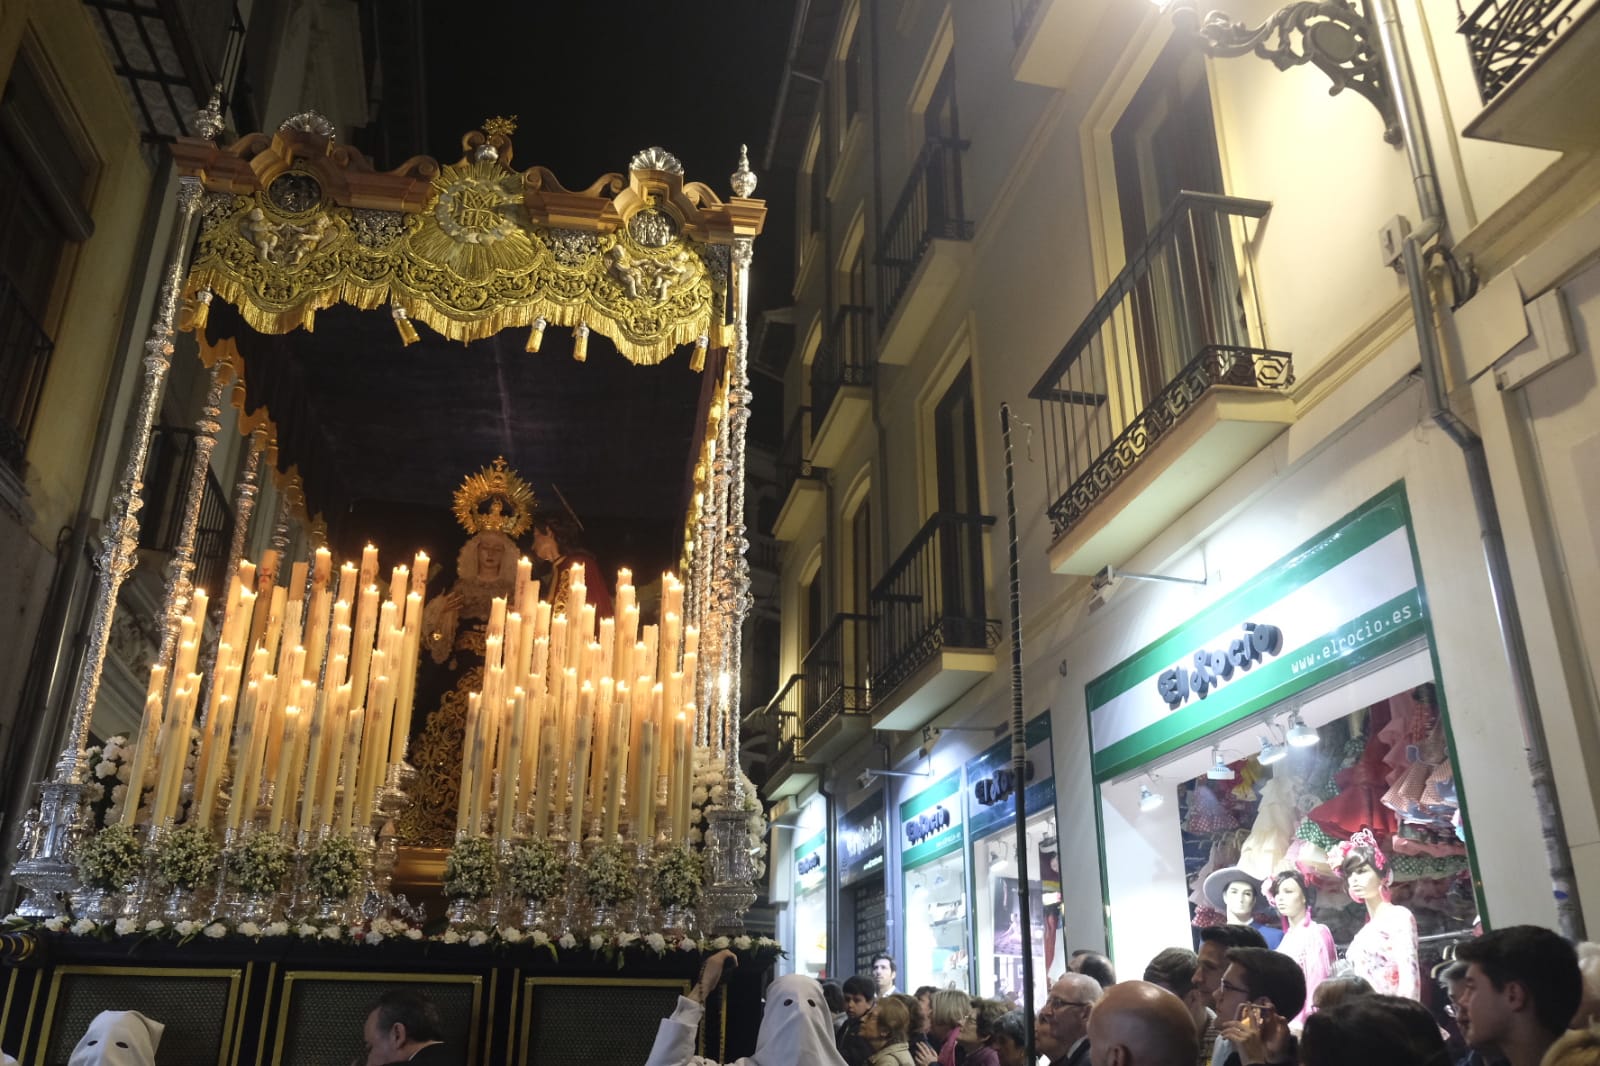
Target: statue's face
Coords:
[(1240, 898), (491, 556), (544, 544)]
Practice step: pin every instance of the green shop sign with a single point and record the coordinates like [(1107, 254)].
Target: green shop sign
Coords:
[(1344, 598), (930, 822)]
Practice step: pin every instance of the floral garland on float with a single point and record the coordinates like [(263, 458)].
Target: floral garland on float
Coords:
[(585, 799)]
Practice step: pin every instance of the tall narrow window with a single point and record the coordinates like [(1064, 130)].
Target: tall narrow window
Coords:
[(941, 130), (1165, 144), (850, 82), (813, 613), (861, 592), (961, 546)]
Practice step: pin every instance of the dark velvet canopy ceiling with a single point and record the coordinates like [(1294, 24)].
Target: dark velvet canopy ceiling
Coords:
[(382, 434)]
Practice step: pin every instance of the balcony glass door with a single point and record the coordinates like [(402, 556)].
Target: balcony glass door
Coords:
[(939, 126)]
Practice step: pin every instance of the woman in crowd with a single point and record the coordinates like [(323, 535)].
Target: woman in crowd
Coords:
[(885, 1030), (949, 1007), (977, 1031), (1340, 989), (1009, 1038)]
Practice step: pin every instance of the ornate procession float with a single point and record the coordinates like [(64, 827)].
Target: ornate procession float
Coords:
[(524, 793)]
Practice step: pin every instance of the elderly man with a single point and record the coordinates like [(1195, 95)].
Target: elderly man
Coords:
[(1063, 1029), (1137, 1023), (404, 1026)]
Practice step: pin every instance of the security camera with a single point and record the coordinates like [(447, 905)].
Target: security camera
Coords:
[(866, 778)]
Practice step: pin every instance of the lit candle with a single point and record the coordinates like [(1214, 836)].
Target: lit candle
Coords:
[(399, 585), (352, 763), (645, 793), (244, 744), (512, 765), (348, 575), (547, 777), (212, 778), (327, 783), (322, 709), (580, 761), (361, 646), (419, 574), (524, 576), (611, 802), (678, 778), (283, 796), (369, 565), (149, 729)]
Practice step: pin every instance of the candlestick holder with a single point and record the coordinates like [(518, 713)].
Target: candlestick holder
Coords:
[(45, 850), (643, 870), (730, 872), (395, 795)]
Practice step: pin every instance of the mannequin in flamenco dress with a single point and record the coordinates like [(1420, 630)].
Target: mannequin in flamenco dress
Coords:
[(1308, 942), (1385, 950)]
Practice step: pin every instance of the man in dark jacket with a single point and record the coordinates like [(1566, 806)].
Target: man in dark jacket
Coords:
[(404, 1027)]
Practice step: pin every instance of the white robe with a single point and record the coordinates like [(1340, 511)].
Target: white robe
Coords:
[(796, 1030)]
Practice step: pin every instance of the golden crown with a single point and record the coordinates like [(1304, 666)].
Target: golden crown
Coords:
[(495, 500)]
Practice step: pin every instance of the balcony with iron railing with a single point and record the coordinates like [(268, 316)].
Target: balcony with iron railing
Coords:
[(841, 383), (837, 692), (1537, 63), (25, 350), (1164, 390), (932, 636), (788, 772), (924, 248), (801, 483)]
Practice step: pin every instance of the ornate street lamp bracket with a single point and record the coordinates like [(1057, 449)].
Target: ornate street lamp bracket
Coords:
[(1332, 35)]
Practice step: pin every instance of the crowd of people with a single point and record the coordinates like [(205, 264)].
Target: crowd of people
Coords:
[(1518, 996)]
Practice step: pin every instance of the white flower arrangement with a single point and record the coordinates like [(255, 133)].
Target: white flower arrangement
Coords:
[(154, 925), (188, 857), (332, 932), (720, 942), (83, 927), (708, 789), (597, 941), (511, 934), (56, 924), (469, 871), (608, 876), (279, 928), (568, 941), (742, 943), (478, 939), (249, 929), (109, 858), (678, 877), (539, 937), (413, 934), (332, 867), (451, 937), (103, 766), (536, 869), (656, 943), (305, 929), (258, 863), (125, 926), (372, 936), (216, 930), (688, 943), (186, 929)]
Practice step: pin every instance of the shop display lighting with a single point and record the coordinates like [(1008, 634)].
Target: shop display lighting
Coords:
[(1149, 801), (1270, 752), (1300, 735), (1220, 771)]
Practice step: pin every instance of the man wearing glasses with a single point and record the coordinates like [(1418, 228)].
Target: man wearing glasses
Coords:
[(1063, 1029)]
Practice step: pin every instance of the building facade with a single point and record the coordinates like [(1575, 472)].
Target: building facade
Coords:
[(1256, 606)]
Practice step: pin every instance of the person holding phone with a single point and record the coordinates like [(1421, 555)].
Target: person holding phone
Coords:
[(1260, 991)]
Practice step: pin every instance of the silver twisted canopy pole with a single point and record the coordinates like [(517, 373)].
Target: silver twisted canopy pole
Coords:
[(180, 571), (44, 865)]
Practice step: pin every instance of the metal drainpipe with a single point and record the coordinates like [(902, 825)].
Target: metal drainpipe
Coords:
[(1424, 176), (831, 821), (880, 451)]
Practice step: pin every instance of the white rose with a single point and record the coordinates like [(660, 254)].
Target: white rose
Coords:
[(124, 771), (382, 925), (55, 925), (332, 932), (413, 934), (451, 937), (83, 927), (568, 940), (511, 935), (540, 938), (118, 794), (478, 939), (306, 929), (597, 941), (249, 929), (741, 943), (154, 925), (688, 944), (624, 939), (373, 937), (720, 942), (185, 928), (125, 926), (105, 770), (277, 929), (656, 943), (94, 792), (216, 930)]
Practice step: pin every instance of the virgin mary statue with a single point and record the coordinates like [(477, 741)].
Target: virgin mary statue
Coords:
[(495, 506)]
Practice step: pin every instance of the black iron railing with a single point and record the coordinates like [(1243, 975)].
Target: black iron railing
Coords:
[(166, 486), (785, 716), (792, 463), (1504, 36), (763, 553), (845, 357), (1179, 318), (836, 672), (930, 207), (931, 598), (1022, 13), (25, 351)]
